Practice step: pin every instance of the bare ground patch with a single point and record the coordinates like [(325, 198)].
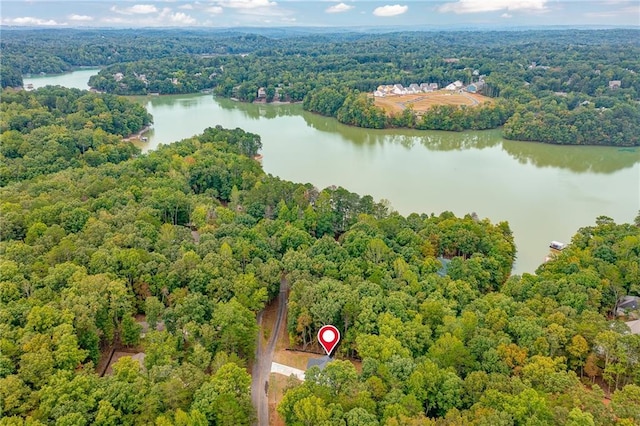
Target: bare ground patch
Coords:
[(423, 101)]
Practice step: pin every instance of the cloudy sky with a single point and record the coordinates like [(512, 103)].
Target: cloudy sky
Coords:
[(278, 13)]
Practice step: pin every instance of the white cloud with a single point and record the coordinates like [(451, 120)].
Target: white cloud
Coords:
[(214, 10), (480, 6), (247, 4), (80, 18), (181, 18), (142, 9), (506, 15), (136, 9), (29, 20), (390, 10), (164, 18), (338, 8), (187, 6)]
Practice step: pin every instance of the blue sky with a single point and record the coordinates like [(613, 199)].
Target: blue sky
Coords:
[(324, 13)]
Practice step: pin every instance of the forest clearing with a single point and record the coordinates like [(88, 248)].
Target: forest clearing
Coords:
[(423, 101)]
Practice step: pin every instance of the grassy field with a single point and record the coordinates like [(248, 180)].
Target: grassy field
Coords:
[(423, 101)]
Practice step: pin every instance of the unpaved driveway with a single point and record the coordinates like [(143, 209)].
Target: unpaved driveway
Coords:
[(264, 357)]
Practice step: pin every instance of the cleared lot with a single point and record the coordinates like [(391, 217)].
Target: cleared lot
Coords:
[(423, 101)]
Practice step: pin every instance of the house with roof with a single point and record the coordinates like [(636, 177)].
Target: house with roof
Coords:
[(142, 78), (629, 302), (454, 86), (475, 87), (414, 88), (262, 93), (615, 84), (321, 363), (398, 89), (627, 305)]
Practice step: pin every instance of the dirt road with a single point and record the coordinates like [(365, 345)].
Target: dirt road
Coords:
[(264, 357), (473, 100)]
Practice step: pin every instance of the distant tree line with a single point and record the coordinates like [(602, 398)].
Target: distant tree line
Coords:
[(560, 77)]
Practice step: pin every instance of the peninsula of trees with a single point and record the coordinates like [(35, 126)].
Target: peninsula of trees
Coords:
[(196, 237), (563, 87)]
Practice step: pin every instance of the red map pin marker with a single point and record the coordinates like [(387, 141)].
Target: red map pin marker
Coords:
[(328, 336)]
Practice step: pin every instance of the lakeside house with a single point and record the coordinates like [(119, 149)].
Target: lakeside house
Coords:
[(415, 88), (398, 89), (142, 78)]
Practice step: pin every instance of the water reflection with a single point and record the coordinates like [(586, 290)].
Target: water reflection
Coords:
[(584, 159), (577, 159), (189, 103), (259, 110), (432, 140)]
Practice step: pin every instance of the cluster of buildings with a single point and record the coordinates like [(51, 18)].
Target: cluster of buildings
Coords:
[(141, 77), (399, 89), (413, 89)]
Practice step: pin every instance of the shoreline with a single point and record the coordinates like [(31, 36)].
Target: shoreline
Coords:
[(138, 135), (74, 69)]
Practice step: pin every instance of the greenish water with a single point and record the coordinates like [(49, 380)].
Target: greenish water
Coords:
[(545, 192), (77, 79)]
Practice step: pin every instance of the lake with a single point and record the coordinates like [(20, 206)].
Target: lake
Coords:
[(545, 192)]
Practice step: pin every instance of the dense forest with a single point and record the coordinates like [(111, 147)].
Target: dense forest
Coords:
[(564, 87), (54, 128), (197, 238)]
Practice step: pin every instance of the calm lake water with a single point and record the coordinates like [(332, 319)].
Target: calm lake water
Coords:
[(545, 192)]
